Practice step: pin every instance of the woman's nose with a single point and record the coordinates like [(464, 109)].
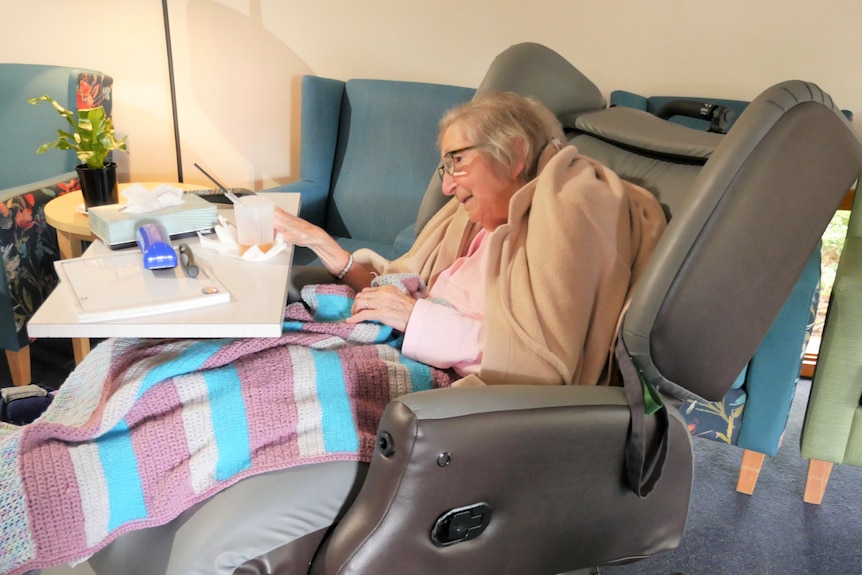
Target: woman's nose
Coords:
[(449, 184)]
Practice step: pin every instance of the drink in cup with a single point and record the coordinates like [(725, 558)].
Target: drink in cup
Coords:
[(255, 222)]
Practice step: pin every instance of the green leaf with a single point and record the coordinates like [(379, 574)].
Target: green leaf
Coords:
[(91, 135)]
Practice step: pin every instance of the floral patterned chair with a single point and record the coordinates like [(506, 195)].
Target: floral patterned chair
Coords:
[(28, 181)]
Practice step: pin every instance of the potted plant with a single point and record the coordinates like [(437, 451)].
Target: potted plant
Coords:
[(92, 138)]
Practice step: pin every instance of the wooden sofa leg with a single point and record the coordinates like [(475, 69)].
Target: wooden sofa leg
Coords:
[(815, 484), (19, 365), (749, 471)]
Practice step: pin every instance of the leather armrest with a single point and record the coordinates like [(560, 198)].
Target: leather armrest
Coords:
[(547, 461)]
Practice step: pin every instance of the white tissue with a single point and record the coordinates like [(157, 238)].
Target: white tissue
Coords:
[(226, 243), (140, 200)]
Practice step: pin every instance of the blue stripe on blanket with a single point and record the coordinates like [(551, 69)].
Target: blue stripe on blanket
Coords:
[(119, 461), (420, 374), (230, 427), (339, 430), (120, 467), (332, 307), (190, 360)]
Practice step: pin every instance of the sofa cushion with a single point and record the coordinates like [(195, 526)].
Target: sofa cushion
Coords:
[(386, 153)]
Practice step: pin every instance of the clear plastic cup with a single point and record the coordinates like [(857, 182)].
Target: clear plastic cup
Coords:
[(255, 221)]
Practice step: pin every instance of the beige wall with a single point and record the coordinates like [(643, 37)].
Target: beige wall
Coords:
[(238, 63)]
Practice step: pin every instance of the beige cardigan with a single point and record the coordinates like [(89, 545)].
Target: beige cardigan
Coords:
[(559, 273)]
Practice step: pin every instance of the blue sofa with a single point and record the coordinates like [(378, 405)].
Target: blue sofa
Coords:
[(27, 182), (369, 148)]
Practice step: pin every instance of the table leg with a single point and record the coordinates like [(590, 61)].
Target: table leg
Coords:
[(69, 244), (80, 347)]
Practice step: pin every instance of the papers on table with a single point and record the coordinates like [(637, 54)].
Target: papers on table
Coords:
[(117, 286)]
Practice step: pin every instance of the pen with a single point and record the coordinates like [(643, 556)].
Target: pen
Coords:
[(187, 259)]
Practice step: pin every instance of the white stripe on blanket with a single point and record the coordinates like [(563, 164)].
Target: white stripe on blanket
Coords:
[(197, 420)]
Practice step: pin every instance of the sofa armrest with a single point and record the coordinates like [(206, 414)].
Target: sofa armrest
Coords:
[(774, 369), (321, 115), (548, 461), (313, 193), (405, 239), (628, 100), (29, 247)]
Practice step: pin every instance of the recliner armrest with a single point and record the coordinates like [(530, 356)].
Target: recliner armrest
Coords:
[(547, 461)]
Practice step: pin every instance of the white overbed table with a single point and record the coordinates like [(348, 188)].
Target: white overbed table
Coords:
[(258, 294)]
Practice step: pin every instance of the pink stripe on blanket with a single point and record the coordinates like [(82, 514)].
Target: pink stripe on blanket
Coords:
[(235, 350), (366, 377), (161, 441), (123, 368), (269, 401), (57, 526)]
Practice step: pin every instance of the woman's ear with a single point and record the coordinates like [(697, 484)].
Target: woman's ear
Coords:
[(520, 163), (550, 150)]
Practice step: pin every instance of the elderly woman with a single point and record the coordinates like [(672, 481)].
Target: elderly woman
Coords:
[(527, 266), (542, 265), (491, 149)]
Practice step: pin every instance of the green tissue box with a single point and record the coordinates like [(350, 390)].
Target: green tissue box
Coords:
[(117, 229)]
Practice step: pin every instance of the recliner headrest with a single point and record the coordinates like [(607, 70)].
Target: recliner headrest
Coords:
[(648, 134), (662, 156)]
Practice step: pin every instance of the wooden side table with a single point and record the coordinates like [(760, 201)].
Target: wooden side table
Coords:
[(73, 229), (73, 226)]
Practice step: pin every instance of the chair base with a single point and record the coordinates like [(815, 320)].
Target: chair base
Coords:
[(749, 471), (815, 484), (19, 365)]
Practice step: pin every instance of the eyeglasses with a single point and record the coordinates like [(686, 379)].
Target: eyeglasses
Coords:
[(450, 163)]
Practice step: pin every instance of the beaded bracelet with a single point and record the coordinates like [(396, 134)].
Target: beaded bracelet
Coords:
[(346, 268)]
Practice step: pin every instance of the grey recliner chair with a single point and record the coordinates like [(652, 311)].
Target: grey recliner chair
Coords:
[(547, 480)]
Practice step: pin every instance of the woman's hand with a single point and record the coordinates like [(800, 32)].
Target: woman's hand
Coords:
[(297, 231), (386, 304)]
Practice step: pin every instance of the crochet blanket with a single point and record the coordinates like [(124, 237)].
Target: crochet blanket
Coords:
[(144, 429)]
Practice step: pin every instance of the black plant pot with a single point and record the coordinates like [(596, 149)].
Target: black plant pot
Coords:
[(98, 186)]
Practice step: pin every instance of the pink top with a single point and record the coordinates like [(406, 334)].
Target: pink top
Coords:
[(452, 335)]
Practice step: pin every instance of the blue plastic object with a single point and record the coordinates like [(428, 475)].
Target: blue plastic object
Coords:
[(155, 244)]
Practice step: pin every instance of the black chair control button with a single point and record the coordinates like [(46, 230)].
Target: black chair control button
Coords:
[(385, 444), (461, 524)]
